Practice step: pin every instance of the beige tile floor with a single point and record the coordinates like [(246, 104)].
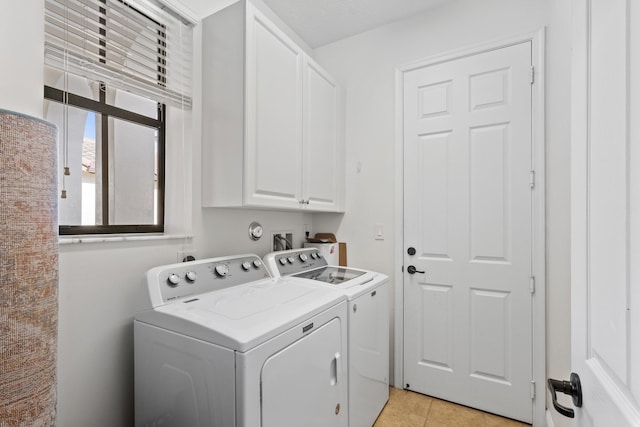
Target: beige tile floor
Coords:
[(409, 409)]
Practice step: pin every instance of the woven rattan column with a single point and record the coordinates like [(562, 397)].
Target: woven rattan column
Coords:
[(28, 271)]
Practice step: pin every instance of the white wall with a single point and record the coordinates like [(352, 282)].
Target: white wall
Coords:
[(365, 65), (21, 53)]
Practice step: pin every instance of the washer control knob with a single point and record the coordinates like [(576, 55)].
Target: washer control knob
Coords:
[(291, 260), (191, 276), (282, 261), (314, 255), (257, 263), (222, 270), (318, 254), (173, 279), (303, 257), (246, 265)]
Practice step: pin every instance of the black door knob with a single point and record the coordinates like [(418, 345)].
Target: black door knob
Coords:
[(412, 270), (572, 387), (411, 251)]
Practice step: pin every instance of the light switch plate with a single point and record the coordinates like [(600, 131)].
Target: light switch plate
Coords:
[(379, 232)]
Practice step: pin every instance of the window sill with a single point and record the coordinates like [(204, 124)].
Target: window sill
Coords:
[(72, 240)]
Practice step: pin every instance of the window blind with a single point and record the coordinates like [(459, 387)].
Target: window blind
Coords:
[(135, 45)]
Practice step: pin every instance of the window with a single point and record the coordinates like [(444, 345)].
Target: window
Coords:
[(112, 68), (115, 159)]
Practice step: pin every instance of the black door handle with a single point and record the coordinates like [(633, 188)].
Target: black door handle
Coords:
[(572, 387), (412, 270)]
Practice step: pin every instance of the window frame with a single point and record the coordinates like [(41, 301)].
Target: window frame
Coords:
[(106, 111)]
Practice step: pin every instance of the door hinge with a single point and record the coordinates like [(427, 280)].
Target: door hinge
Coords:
[(532, 75), (532, 284), (533, 389), (532, 179)]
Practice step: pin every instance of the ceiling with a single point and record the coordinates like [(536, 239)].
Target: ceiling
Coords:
[(319, 22)]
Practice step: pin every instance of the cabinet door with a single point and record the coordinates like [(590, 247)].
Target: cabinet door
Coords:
[(273, 175), (323, 165)]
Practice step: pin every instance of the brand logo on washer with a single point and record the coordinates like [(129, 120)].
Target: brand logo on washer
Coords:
[(307, 328)]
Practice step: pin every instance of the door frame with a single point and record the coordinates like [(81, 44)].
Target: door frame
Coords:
[(537, 40)]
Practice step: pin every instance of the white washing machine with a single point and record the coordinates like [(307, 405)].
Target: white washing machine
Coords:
[(367, 293), (222, 343)]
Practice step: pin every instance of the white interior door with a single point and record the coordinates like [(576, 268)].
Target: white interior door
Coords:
[(605, 233), (468, 215)]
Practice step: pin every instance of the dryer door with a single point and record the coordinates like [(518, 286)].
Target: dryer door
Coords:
[(305, 384)]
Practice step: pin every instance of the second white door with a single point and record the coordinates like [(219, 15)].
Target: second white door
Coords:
[(468, 185)]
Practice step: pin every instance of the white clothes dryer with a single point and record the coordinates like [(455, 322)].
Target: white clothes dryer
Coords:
[(222, 343), (367, 294)]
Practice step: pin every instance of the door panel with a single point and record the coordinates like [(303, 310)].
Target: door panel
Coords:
[(468, 213), (489, 335), (489, 89), (488, 213), (604, 212), (433, 156), (437, 309)]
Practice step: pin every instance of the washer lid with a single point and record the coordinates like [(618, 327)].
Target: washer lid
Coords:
[(331, 275), (244, 316), (350, 281)]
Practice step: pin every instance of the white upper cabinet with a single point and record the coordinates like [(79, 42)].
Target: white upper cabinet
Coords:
[(270, 118), (273, 115), (323, 163)]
